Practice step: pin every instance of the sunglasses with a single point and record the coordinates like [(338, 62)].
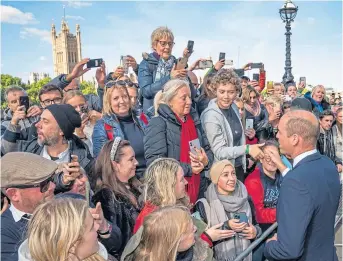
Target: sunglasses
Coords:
[(43, 186), (127, 83)]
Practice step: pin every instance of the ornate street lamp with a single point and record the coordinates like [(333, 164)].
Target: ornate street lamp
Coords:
[(287, 13)]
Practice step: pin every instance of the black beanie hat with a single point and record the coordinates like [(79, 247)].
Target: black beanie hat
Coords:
[(67, 118)]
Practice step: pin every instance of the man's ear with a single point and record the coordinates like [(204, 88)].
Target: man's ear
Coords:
[(295, 139), (13, 194)]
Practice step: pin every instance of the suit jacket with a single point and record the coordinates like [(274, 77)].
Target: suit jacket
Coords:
[(306, 211)]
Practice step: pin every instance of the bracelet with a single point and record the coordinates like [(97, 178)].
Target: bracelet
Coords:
[(247, 149)]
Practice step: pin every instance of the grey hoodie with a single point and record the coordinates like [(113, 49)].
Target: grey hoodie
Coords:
[(219, 134)]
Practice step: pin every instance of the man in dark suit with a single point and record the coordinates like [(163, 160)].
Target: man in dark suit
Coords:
[(309, 194)]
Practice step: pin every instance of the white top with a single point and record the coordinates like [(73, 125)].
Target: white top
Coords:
[(24, 252), (63, 157), (298, 158), (17, 214)]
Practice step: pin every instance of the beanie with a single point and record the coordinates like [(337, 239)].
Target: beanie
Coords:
[(67, 118), (217, 170)]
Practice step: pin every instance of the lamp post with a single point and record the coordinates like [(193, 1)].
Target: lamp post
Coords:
[(287, 13)]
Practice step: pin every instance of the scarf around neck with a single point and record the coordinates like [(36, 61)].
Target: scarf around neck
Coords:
[(189, 133), (164, 67), (254, 109), (222, 208)]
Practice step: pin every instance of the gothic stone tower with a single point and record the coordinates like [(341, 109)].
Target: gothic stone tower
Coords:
[(66, 49)]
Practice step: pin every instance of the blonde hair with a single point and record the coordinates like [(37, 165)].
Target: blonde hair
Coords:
[(71, 94), (159, 183), (165, 225), (319, 87), (169, 91), (107, 108), (55, 229), (279, 84), (273, 99), (160, 33)]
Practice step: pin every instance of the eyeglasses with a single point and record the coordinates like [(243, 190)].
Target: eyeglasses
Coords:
[(164, 43), (43, 186), (125, 83), (53, 101)]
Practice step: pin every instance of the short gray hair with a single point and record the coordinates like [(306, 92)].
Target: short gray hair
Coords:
[(304, 128), (14, 88), (170, 89)]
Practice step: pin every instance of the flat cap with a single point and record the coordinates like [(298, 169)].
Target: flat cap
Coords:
[(23, 168)]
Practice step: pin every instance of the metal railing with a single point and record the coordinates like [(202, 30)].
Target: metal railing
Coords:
[(254, 244)]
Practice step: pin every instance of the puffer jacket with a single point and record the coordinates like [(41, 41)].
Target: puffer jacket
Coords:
[(146, 80), (94, 102), (119, 211), (163, 138), (100, 137), (25, 125)]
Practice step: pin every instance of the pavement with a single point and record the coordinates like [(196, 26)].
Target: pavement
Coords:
[(338, 240)]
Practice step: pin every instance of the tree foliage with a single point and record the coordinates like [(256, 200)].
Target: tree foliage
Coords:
[(87, 87), (32, 89)]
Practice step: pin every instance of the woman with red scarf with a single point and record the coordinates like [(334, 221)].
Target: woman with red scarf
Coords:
[(176, 133)]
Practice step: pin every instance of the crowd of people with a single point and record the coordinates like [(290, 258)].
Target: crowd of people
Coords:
[(158, 166)]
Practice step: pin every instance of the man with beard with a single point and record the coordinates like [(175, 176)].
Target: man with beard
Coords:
[(55, 139), (26, 179)]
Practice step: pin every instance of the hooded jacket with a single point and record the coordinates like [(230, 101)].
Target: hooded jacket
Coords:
[(219, 134)]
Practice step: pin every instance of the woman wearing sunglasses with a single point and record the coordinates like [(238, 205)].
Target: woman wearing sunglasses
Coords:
[(119, 120), (158, 67)]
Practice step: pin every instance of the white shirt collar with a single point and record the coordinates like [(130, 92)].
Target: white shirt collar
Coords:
[(17, 214), (62, 157), (300, 157)]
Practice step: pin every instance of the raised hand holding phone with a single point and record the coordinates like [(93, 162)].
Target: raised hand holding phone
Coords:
[(71, 170), (19, 114), (178, 73)]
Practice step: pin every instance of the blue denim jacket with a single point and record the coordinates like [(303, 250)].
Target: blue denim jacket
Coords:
[(99, 137)]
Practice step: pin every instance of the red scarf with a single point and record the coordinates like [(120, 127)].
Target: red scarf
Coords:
[(189, 133)]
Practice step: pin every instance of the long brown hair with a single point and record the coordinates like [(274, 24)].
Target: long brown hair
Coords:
[(106, 175)]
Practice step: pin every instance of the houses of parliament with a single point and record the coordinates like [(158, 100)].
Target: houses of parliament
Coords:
[(66, 48)]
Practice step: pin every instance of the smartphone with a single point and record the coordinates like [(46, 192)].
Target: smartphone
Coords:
[(256, 65), (194, 144), (242, 217), (205, 64), (190, 46), (93, 63), (302, 79), (24, 101), (270, 85), (123, 63), (228, 62), (181, 63), (249, 124), (239, 72), (221, 56), (256, 77)]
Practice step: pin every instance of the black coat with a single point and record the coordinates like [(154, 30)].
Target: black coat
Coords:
[(120, 211), (163, 138)]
